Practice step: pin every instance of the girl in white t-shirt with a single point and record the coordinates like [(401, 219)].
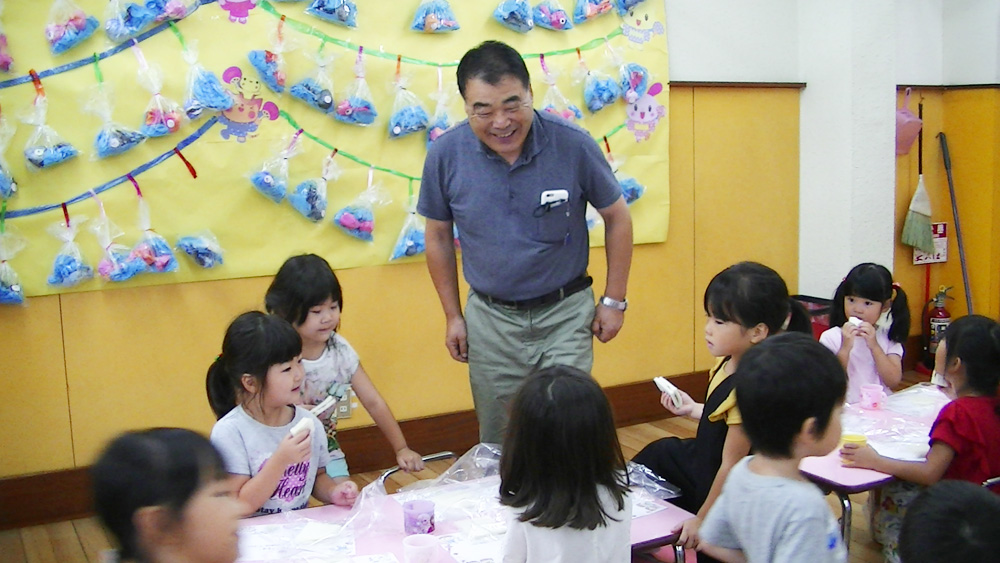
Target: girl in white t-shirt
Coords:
[(253, 386), (563, 474), (871, 353), (306, 293)]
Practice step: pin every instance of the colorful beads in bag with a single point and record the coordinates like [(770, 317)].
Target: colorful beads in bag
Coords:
[(343, 12), (309, 197), (434, 16), (125, 20), (587, 10), (68, 26), (357, 108), (551, 15), (113, 138), (203, 248), (172, 9), (412, 238), (554, 101), (272, 178), (119, 264), (514, 14)]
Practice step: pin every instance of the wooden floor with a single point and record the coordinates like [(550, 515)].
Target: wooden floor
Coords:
[(82, 540)]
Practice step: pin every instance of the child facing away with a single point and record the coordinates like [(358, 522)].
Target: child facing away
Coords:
[(870, 351), (165, 496), (745, 304), (952, 521), (563, 473), (306, 293), (253, 387), (964, 439), (791, 392)]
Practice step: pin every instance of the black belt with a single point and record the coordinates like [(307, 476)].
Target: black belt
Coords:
[(579, 284)]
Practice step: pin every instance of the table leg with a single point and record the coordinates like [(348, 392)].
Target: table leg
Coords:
[(679, 553), (845, 519)]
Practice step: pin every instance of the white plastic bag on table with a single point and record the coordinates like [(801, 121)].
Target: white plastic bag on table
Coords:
[(68, 268)]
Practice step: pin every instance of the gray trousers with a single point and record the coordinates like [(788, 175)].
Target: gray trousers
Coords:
[(506, 345)]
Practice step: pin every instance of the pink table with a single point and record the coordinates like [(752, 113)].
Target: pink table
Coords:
[(900, 430), (383, 536)]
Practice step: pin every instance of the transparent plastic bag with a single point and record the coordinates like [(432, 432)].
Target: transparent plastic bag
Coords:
[(68, 268), (551, 15), (68, 26), (341, 12), (309, 197), (587, 10), (8, 187), (112, 138), (163, 116), (623, 6), (45, 148), (317, 89), (408, 113), (634, 80), (554, 101), (272, 178), (412, 238), (357, 107), (124, 20), (434, 16), (515, 15), (117, 265), (599, 88), (631, 188), (271, 67), (11, 290), (152, 248), (203, 248), (172, 10), (6, 60), (204, 91), (358, 218)]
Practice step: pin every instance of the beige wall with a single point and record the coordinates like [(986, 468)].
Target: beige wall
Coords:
[(80, 367)]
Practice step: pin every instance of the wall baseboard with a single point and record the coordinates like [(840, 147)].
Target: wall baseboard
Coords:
[(64, 495)]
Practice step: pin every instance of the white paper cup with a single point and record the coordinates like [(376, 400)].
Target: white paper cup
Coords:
[(420, 548)]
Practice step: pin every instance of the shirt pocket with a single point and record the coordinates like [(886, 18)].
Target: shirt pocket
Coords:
[(552, 225)]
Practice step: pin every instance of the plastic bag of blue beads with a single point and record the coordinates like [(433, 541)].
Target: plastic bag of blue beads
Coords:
[(309, 196), (11, 290), (124, 20), (205, 91), (412, 238), (44, 148), (340, 12), (515, 15), (271, 180), (434, 16), (408, 113), (68, 26), (68, 268), (316, 90), (203, 248)]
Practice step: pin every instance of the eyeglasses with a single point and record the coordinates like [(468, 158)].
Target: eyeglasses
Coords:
[(508, 110)]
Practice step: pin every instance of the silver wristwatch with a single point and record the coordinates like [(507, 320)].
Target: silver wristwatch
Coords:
[(619, 305)]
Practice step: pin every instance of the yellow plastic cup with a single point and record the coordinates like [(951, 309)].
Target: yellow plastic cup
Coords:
[(858, 439)]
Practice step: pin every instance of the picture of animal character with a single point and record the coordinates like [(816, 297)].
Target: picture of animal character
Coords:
[(243, 119), (644, 113)]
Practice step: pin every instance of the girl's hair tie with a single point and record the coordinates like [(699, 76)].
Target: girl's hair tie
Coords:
[(896, 286)]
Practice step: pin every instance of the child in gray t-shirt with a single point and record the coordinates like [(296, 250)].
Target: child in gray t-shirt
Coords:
[(790, 392)]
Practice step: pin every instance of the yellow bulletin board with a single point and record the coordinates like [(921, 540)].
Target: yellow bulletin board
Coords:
[(225, 148)]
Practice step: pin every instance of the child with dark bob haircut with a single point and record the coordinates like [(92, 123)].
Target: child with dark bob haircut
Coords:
[(563, 471), (165, 496), (791, 392), (952, 521)]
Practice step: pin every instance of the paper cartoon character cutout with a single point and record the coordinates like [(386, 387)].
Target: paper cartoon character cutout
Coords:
[(238, 10), (644, 113), (243, 119), (637, 26)]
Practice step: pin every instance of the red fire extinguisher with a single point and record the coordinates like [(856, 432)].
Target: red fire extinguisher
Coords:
[(935, 322)]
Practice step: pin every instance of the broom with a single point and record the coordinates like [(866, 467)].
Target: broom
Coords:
[(917, 230)]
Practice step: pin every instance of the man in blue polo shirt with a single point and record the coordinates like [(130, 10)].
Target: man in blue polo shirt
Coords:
[(516, 183)]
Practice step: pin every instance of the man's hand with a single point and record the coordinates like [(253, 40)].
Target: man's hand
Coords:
[(456, 340), (607, 323)]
